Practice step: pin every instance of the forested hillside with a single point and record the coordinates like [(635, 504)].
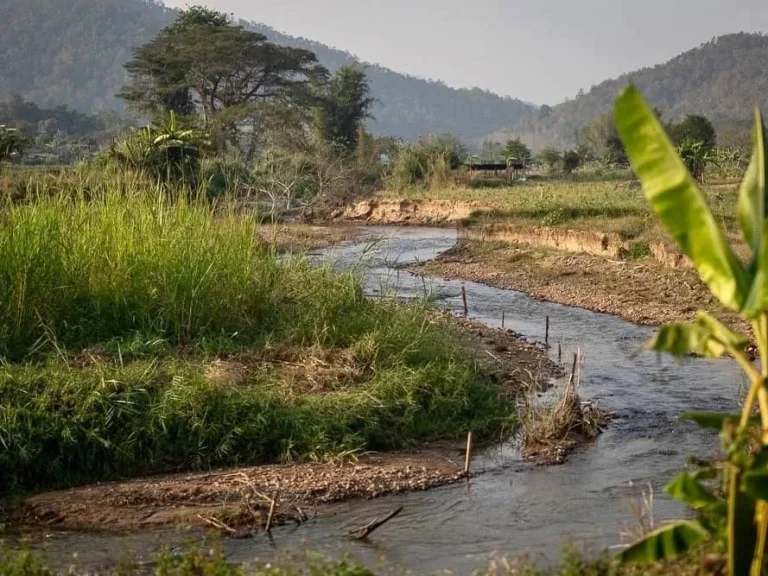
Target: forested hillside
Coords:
[(72, 52), (723, 79)]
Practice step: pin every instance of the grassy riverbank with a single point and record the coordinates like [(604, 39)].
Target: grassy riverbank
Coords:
[(145, 332), (213, 563), (592, 243), (596, 204)]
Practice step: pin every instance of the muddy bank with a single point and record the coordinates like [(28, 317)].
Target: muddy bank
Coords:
[(237, 501), (642, 291), (400, 212), (608, 245)]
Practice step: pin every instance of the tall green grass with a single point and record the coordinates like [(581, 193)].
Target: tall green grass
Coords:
[(78, 270), (113, 303)]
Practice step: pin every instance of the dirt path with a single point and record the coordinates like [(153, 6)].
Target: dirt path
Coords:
[(640, 291), (238, 500)]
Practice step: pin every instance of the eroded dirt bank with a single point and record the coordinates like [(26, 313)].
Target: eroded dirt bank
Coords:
[(381, 211), (641, 291), (237, 501)]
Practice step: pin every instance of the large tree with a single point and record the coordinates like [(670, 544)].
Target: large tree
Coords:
[(344, 105), (204, 65), (694, 128), (516, 150), (600, 140)]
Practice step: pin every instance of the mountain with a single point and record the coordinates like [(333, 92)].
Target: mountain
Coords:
[(723, 79), (72, 52)]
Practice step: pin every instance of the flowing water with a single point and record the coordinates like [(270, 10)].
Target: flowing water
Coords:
[(511, 507)]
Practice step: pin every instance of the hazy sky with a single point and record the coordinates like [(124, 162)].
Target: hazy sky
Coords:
[(538, 50)]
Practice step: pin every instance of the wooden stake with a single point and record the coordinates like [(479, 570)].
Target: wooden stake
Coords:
[(572, 379), (559, 353), (271, 512), (468, 456), (464, 300), (546, 333), (503, 318)]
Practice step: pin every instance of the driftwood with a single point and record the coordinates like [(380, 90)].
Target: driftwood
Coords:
[(271, 515), (365, 531)]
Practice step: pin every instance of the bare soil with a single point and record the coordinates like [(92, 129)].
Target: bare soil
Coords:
[(640, 291), (237, 501)]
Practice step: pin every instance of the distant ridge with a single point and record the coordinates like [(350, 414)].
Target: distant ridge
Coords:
[(723, 79), (72, 52)]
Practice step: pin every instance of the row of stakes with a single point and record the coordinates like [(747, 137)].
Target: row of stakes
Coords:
[(504, 320), (468, 452)]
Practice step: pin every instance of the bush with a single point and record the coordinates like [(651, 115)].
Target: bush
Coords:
[(571, 161), (428, 163), (167, 151)]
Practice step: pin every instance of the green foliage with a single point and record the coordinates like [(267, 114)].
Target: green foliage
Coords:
[(742, 521), (12, 143), (638, 250), (600, 141), (549, 157), (344, 105), (232, 72), (516, 151), (92, 73), (694, 128), (571, 161), (192, 562), (695, 157), (165, 150), (666, 542), (118, 297), (678, 202), (427, 163)]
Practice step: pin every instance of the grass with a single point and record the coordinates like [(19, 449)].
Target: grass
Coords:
[(120, 306), (197, 562), (603, 204)]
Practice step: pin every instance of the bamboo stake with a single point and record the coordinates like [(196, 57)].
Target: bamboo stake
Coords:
[(559, 353), (271, 512), (464, 300), (468, 456), (503, 318), (546, 333)]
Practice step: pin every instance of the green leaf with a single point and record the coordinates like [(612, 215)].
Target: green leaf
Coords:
[(721, 332), (687, 489), (713, 420), (741, 528), (708, 337), (755, 483), (682, 339), (666, 542), (677, 201), (753, 210), (752, 204)]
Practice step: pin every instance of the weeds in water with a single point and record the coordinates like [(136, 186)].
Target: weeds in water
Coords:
[(552, 425)]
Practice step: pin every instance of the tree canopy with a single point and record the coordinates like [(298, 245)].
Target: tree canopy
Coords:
[(73, 52), (516, 150), (344, 105)]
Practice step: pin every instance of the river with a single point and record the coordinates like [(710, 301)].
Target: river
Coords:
[(511, 507)]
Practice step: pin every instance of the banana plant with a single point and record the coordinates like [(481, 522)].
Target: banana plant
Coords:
[(737, 521)]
